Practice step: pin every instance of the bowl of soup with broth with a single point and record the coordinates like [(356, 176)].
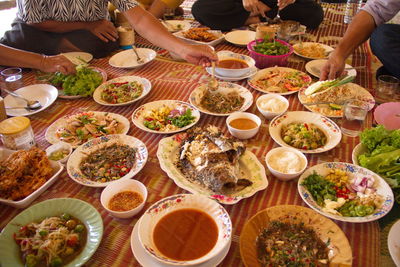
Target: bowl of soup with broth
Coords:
[(232, 64)]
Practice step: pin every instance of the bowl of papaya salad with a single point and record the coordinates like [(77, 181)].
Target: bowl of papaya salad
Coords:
[(345, 192), (165, 116)]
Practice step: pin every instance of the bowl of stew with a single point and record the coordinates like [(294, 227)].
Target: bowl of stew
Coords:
[(243, 125), (233, 65), (202, 224)]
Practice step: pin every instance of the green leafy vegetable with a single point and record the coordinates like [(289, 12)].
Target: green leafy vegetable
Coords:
[(320, 188), (271, 48), (183, 120)]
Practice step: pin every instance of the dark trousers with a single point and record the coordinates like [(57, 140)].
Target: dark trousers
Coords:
[(25, 37), (385, 44), (228, 14)]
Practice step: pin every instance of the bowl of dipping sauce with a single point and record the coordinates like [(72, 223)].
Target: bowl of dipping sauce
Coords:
[(124, 198), (232, 64), (185, 230), (59, 152), (286, 163), (272, 105), (243, 125)]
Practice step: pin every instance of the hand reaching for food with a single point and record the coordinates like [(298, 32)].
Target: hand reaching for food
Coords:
[(333, 68)]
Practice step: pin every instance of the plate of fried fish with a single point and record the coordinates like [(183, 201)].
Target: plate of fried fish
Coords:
[(205, 161)]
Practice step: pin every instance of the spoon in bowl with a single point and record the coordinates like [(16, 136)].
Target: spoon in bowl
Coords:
[(31, 104), (138, 58)]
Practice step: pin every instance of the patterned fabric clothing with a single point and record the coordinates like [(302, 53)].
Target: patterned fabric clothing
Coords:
[(35, 11)]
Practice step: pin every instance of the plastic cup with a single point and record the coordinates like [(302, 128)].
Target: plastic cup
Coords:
[(387, 87), (12, 78), (354, 113)]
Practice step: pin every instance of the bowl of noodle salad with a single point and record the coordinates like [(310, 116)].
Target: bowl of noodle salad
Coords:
[(311, 50)]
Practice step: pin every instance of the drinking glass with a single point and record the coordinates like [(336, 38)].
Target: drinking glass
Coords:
[(169, 13), (12, 78), (387, 87), (354, 113)]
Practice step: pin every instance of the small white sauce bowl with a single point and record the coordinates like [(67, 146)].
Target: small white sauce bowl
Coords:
[(243, 134), (281, 175), (233, 73), (121, 186), (59, 146), (268, 114)]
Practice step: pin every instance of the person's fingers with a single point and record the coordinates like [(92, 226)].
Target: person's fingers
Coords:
[(324, 72), (100, 36), (109, 36), (332, 72)]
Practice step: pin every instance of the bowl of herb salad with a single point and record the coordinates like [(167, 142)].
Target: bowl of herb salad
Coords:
[(269, 54)]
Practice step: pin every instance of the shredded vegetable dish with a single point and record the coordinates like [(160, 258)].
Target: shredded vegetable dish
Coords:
[(280, 80), (311, 50), (165, 119), (339, 194), (289, 244), (303, 136), (53, 242), (222, 103), (122, 92), (108, 163)]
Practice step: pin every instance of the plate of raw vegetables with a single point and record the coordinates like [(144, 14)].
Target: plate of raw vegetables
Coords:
[(379, 151), (345, 192), (122, 91), (78, 85), (165, 116)]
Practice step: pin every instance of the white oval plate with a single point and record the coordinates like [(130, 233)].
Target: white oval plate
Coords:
[(224, 87), (323, 169), (314, 68), (358, 92), (51, 135), (93, 145), (330, 129), (218, 34), (327, 48), (139, 114), (78, 58), (46, 94), (240, 37), (261, 73), (394, 242), (127, 59), (173, 25), (252, 71), (168, 152), (146, 89)]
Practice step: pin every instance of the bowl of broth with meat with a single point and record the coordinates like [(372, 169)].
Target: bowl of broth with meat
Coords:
[(233, 65), (185, 230)]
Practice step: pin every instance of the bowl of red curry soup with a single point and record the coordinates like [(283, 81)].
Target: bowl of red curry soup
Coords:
[(202, 223), (232, 64)]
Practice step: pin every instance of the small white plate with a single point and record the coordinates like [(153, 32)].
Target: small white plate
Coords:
[(314, 68), (127, 59), (252, 71), (327, 49), (145, 259), (394, 242), (145, 83), (240, 37), (78, 57), (218, 34), (176, 25), (46, 94)]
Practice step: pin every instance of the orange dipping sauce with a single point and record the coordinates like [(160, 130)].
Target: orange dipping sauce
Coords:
[(185, 234), (125, 200), (232, 64), (243, 124)]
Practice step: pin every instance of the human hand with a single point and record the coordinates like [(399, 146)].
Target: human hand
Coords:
[(284, 3), (103, 29), (198, 54), (57, 63), (333, 68)]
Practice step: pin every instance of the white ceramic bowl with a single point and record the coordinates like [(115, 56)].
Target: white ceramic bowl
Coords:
[(269, 114), (223, 55), (120, 186), (243, 134), (357, 151), (286, 176), (169, 204), (60, 146)]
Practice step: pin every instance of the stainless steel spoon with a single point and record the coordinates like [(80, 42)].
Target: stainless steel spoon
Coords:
[(31, 104), (138, 58), (212, 82)]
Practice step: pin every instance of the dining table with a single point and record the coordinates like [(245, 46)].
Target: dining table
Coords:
[(173, 79)]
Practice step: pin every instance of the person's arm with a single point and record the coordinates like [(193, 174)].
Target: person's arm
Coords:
[(157, 8), (18, 58), (151, 29), (359, 30)]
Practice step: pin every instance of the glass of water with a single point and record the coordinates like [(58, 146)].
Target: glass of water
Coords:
[(354, 113), (387, 87), (12, 78)]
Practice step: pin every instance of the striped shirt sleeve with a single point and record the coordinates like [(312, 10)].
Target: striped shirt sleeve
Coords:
[(124, 5), (31, 11)]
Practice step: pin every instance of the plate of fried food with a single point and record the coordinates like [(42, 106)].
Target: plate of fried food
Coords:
[(78, 128), (106, 159), (205, 161), (201, 36), (25, 174), (279, 80), (228, 98), (312, 50)]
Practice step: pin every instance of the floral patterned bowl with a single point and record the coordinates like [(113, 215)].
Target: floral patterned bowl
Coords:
[(169, 204)]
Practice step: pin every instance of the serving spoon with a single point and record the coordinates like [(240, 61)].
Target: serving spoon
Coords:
[(138, 58), (212, 83), (30, 104)]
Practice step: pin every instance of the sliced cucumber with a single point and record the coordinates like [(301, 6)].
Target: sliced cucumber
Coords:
[(335, 106)]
